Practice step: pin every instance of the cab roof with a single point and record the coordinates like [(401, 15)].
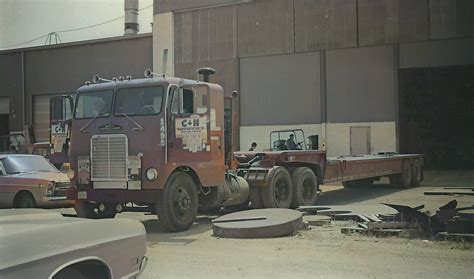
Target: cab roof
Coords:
[(153, 81)]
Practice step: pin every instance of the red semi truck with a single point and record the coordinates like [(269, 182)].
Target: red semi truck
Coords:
[(159, 143)]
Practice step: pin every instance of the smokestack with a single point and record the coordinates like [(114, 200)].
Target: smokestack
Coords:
[(131, 17)]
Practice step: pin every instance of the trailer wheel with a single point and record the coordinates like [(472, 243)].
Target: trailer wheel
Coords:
[(403, 179), (305, 187), (89, 210), (417, 174), (178, 203), (279, 191), (255, 196)]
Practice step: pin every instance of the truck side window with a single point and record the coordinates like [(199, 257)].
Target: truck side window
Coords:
[(190, 101)]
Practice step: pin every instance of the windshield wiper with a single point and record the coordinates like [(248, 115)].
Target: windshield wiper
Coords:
[(140, 128), (83, 129)]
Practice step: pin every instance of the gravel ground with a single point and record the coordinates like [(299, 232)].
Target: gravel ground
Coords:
[(320, 252)]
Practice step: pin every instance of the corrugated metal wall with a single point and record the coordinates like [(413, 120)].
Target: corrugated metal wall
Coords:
[(208, 37), (325, 24), (360, 85), (451, 18), (265, 27), (280, 89)]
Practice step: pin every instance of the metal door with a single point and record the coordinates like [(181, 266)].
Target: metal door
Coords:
[(360, 140)]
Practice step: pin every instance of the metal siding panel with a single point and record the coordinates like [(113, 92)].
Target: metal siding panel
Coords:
[(178, 38), (203, 35), (11, 86), (265, 27), (413, 20), (443, 19), (325, 24), (437, 53), (226, 72), (280, 90), (378, 22), (360, 85), (48, 71), (164, 6)]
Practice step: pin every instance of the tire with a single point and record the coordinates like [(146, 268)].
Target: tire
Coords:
[(88, 210), (178, 203), (25, 200), (69, 273), (305, 187), (279, 191), (403, 179), (417, 174), (255, 196)]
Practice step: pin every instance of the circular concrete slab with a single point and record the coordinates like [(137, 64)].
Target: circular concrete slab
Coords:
[(258, 223)]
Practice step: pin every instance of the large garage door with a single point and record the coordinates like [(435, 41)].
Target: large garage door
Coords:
[(41, 117)]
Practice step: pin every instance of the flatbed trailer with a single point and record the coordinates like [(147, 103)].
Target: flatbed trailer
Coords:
[(291, 178)]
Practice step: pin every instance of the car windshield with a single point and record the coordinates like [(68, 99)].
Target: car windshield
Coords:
[(93, 104), (21, 164), (139, 101)]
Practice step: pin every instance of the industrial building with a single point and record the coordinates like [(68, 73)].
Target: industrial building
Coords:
[(364, 76)]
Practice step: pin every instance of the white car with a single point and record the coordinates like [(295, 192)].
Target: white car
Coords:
[(37, 243)]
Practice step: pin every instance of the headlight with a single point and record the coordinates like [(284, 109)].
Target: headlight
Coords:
[(151, 174), (70, 174)]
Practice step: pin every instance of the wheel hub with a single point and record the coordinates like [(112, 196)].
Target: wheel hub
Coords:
[(182, 201)]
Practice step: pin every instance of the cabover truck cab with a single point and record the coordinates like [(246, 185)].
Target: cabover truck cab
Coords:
[(155, 142)]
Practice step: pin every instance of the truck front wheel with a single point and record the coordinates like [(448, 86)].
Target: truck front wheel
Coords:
[(279, 191), (305, 187), (178, 203)]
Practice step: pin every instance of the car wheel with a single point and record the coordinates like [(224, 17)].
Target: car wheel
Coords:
[(25, 200), (279, 191), (305, 187), (178, 203)]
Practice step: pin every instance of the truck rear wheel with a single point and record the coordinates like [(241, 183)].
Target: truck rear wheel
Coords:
[(279, 191), (305, 187), (178, 203), (403, 179), (85, 209)]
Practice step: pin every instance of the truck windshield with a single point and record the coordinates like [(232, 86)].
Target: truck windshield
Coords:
[(93, 104), (139, 101), (25, 164)]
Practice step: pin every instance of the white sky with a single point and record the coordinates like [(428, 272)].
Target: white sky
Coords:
[(23, 20)]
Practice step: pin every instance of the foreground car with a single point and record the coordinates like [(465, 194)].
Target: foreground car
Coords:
[(31, 181), (37, 243)]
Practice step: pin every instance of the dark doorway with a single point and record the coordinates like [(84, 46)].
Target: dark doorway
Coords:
[(436, 107), (4, 133)]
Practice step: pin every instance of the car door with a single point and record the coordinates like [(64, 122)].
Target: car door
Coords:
[(7, 189)]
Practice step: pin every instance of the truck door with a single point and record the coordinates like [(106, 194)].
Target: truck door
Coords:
[(60, 124), (188, 125)]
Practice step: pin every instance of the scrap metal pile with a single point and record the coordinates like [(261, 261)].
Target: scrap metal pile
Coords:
[(448, 221)]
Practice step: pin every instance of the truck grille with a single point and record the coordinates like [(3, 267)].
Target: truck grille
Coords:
[(109, 157)]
